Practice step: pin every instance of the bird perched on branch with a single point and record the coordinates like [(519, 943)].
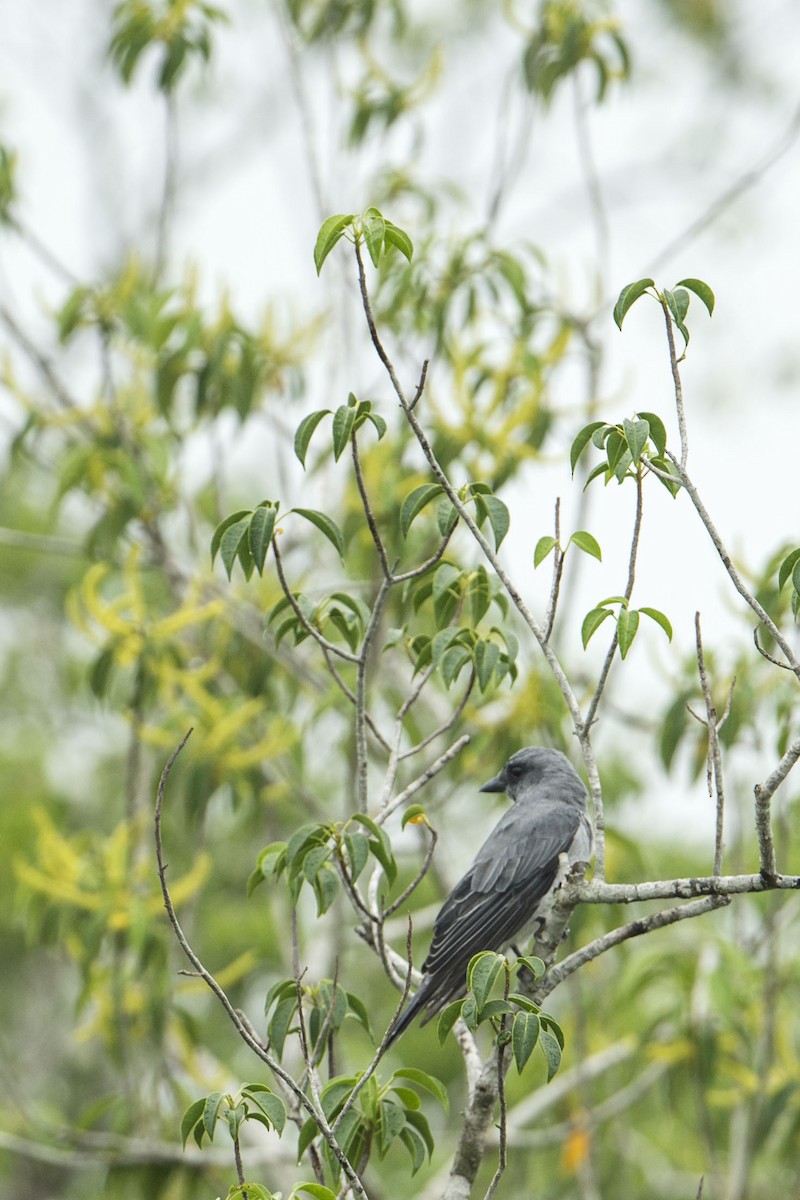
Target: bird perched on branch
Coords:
[(508, 886)]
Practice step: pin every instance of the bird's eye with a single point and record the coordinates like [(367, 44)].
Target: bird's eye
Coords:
[(515, 769)]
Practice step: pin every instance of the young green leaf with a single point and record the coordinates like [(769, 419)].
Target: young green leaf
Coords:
[(343, 420), (414, 503), (552, 1052), (415, 814), (305, 431), (233, 543), (223, 527), (330, 232), (787, 567), (373, 228), (582, 440), (399, 239), (628, 296), (636, 435), (524, 1036), (660, 619), (592, 622), (542, 549), (627, 624), (191, 1118), (316, 1190), (482, 973), (588, 544), (428, 1083), (658, 432), (447, 1020), (324, 524), (262, 525), (270, 1105), (497, 512), (211, 1108), (701, 290)]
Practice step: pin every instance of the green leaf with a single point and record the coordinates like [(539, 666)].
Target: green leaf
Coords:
[(305, 431), (499, 517), (627, 624), (543, 548), (308, 1132), (796, 578), (532, 963), (262, 525), (701, 290), (414, 503), (280, 1022), (428, 1083), (391, 1119), (487, 655), (373, 228), (415, 1146), (628, 296), (193, 1115), (399, 239), (658, 432), (324, 524), (678, 302), (482, 972), (419, 1124), (588, 544), (379, 844), (636, 435), (447, 1020), (270, 1105), (524, 1036), (592, 622), (343, 420), (330, 232), (359, 1010), (223, 527), (233, 543), (552, 1052), (357, 848), (211, 1108), (326, 888), (317, 1190), (582, 440), (660, 619), (787, 567)]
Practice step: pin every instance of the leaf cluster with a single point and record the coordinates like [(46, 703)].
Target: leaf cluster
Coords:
[(514, 1017)]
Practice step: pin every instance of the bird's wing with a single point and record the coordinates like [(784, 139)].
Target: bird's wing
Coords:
[(498, 895)]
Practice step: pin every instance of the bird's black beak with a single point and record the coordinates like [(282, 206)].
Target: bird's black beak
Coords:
[(498, 784)]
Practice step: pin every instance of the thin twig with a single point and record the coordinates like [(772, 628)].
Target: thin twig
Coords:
[(764, 793), (678, 386), (310, 629), (558, 571), (362, 762), (420, 875), (502, 1156), (435, 767), (372, 524), (714, 761), (591, 712), (447, 725), (775, 661)]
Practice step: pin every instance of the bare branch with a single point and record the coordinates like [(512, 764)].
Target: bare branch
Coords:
[(714, 765), (420, 875), (678, 386), (595, 892), (351, 696), (558, 570), (764, 793), (622, 933)]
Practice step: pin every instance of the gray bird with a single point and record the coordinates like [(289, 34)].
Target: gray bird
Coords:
[(507, 887)]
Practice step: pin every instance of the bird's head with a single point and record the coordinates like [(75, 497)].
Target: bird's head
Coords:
[(529, 767)]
